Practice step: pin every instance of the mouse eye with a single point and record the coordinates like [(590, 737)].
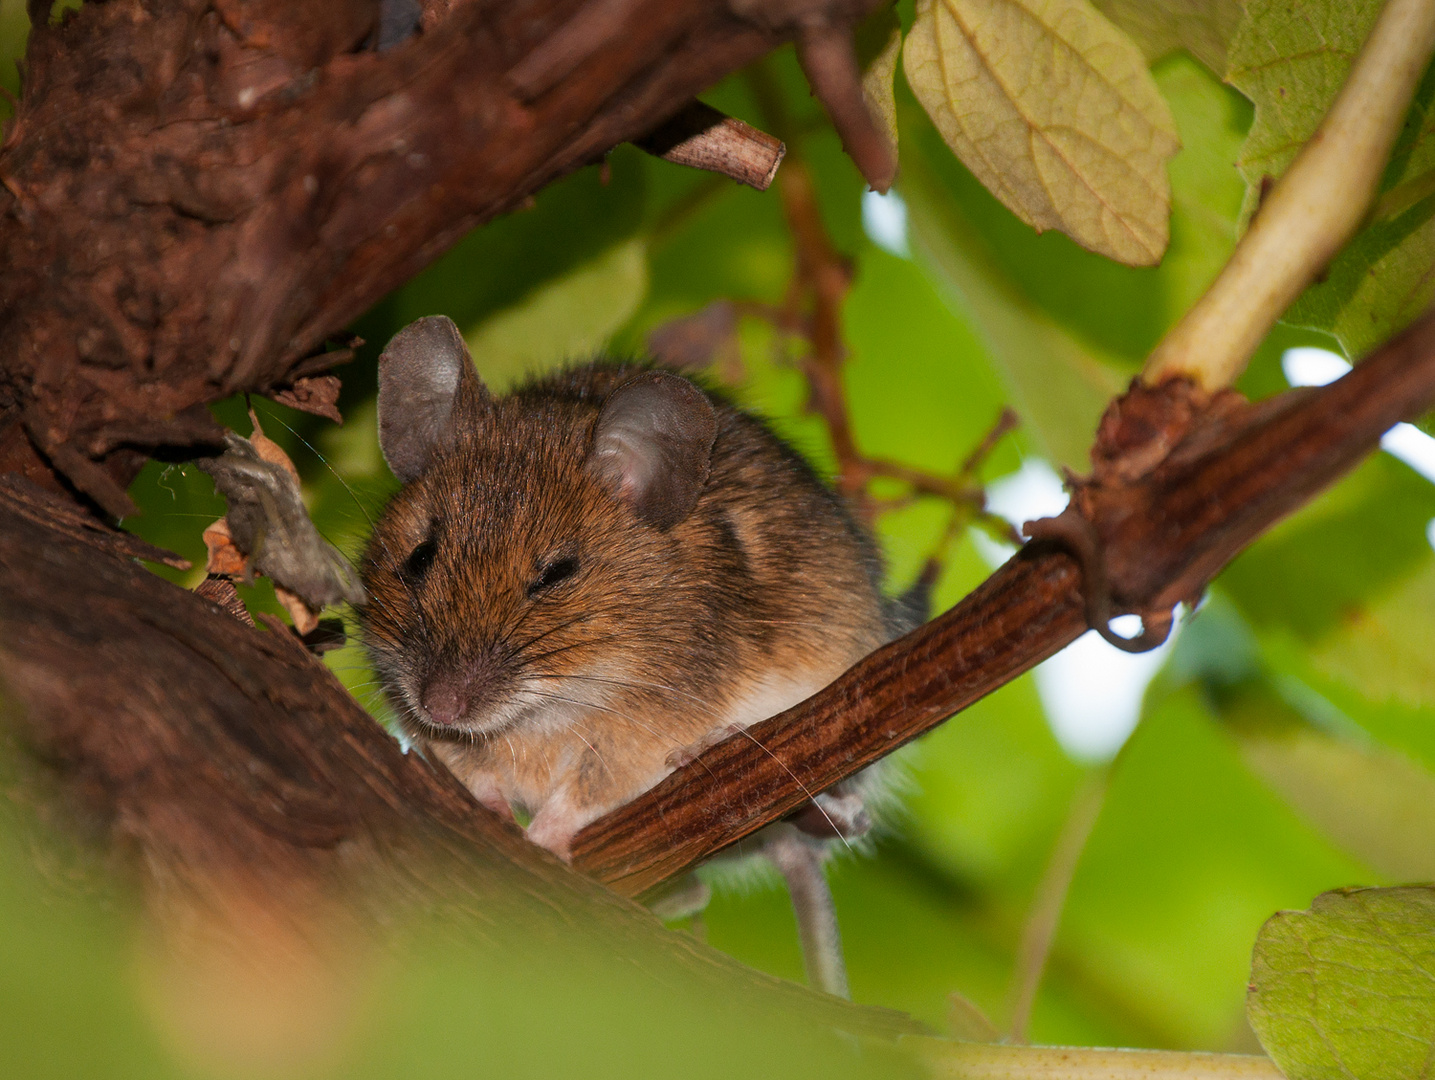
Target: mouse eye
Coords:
[(554, 572), (419, 561)]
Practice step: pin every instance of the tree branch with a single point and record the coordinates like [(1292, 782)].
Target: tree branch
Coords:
[(195, 195), (984, 1061), (1182, 482)]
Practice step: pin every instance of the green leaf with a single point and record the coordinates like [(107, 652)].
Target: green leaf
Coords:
[(497, 265), (1291, 61), (1055, 112), (1346, 990), (1360, 540), (1202, 27), (1205, 191), (569, 318), (1387, 649)]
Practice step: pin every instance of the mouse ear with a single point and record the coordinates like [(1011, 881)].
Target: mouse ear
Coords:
[(653, 445), (426, 381)]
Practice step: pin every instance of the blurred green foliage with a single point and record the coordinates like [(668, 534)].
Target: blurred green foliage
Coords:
[(1304, 679)]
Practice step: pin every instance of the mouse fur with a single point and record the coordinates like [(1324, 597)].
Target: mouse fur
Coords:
[(585, 579)]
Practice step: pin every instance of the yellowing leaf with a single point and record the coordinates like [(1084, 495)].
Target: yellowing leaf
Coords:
[(877, 76), (1054, 110)]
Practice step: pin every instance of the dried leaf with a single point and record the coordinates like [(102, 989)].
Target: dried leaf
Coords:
[(317, 394), (267, 521), (1054, 110), (224, 557), (269, 450), (304, 618)]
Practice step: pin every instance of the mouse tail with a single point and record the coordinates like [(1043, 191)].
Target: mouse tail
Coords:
[(799, 861)]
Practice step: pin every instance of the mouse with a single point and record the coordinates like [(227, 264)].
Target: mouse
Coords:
[(584, 582)]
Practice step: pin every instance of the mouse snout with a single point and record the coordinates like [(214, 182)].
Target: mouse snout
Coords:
[(445, 699), (457, 694)]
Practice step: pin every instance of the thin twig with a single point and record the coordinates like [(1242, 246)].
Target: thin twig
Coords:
[(1311, 212), (1039, 930), (812, 311)]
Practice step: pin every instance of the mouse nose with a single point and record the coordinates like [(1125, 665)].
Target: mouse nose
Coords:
[(444, 702)]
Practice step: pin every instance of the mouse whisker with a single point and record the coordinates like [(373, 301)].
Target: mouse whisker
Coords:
[(600, 640), (566, 624), (679, 743), (606, 709), (593, 748), (801, 786), (315, 450), (637, 685)]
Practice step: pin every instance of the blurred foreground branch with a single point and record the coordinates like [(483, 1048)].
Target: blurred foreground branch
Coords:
[(247, 780), (982, 1061)]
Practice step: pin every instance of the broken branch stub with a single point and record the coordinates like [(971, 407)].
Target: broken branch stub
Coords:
[(701, 137)]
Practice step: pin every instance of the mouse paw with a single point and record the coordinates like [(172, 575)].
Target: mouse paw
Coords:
[(829, 816), (686, 755), (690, 896), (557, 822), (490, 796)]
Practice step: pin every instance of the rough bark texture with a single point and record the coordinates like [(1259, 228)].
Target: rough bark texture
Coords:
[(197, 194)]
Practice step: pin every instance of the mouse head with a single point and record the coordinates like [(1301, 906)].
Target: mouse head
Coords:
[(531, 564)]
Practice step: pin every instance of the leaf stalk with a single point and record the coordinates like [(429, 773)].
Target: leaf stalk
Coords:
[(1310, 214)]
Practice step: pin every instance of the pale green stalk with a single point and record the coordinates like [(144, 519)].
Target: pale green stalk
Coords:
[(948, 1059), (1311, 212)]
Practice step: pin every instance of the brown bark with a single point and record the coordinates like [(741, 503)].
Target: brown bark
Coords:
[(195, 195), (242, 773)]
